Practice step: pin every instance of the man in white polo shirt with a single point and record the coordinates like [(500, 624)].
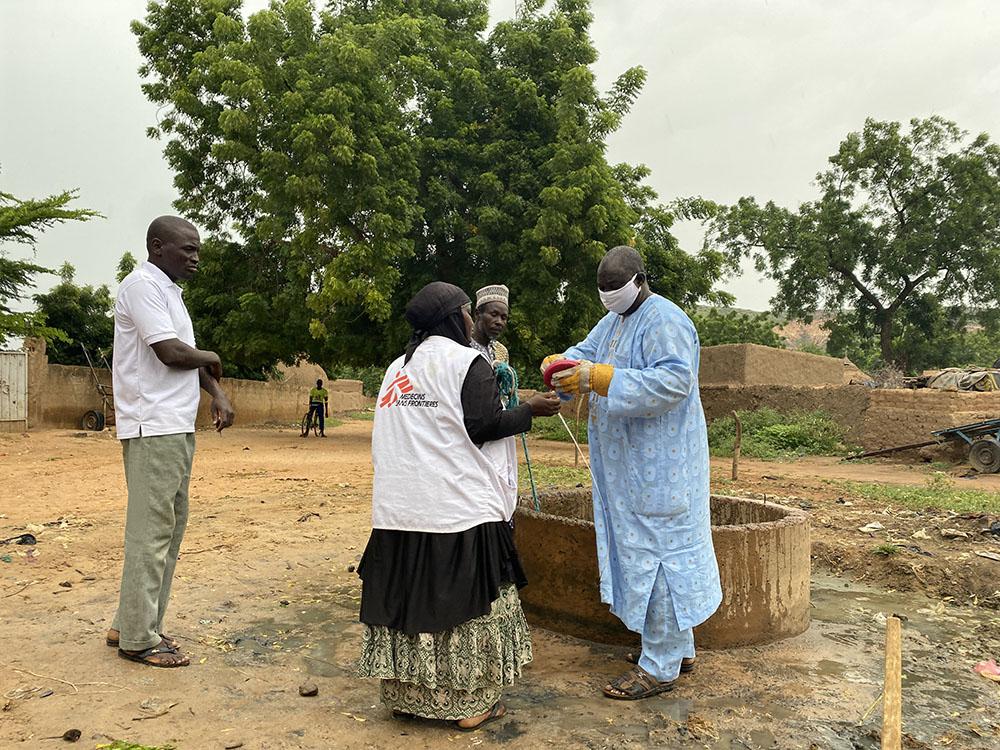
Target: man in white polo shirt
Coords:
[(157, 374)]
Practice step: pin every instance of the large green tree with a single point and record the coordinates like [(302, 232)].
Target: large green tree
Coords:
[(717, 326), (21, 221), (83, 314), (285, 140), (341, 159), (901, 213)]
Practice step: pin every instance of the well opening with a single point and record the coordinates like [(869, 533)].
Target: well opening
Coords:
[(764, 563)]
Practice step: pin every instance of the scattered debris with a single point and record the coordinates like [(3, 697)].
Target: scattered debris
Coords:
[(350, 568), (28, 539), (154, 709), (872, 527), (308, 689), (307, 516), (70, 735), (921, 534), (66, 584), (988, 669), (233, 745), (954, 534), (283, 602), (989, 555)]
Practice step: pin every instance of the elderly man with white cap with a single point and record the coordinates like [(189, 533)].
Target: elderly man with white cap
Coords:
[(492, 313)]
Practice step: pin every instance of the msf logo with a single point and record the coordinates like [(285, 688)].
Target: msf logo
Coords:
[(400, 385)]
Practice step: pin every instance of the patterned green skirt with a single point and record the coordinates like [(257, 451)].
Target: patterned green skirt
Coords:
[(455, 674)]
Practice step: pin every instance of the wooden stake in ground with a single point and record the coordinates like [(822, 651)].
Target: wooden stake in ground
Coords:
[(736, 446), (892, 704)]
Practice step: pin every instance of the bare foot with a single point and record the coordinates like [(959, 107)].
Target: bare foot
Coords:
[(474, 722)]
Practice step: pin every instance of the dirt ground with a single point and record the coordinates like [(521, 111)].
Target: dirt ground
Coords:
[(266, 598)]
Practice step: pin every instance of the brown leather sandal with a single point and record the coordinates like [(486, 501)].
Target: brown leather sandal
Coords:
[(636, 684), (147, 657)]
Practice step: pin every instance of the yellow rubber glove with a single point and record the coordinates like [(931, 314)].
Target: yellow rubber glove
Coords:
[(585, 378), (548, 361)]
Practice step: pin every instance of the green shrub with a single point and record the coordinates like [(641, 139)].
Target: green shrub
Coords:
[(551, 428), (370, 377), (770, 434)]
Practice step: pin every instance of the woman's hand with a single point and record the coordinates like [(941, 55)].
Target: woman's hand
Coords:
[(544, 404)]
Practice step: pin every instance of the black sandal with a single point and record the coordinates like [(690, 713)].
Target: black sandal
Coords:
[(143, 657), (498, 711), (636, 684)]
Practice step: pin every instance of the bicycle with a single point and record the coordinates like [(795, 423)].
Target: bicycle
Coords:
[(307, 423)]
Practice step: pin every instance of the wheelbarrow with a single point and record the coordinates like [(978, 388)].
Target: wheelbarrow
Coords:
[(983, 439), (95, 420)]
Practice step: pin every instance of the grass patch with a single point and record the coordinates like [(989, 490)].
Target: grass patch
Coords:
[(551, 428), (365, 415), (769, 434), (552, 476), (939, 492)]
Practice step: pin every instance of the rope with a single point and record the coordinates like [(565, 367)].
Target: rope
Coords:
[(573, 438), (507, 384)]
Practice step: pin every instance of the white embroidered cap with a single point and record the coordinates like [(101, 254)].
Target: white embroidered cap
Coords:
[(493, 293)]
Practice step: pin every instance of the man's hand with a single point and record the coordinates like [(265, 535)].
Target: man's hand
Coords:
[(548, 361), (544, 404), (222, 412), (215, 368), (585, 378)]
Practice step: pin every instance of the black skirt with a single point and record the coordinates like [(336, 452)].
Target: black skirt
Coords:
[(418, 582)]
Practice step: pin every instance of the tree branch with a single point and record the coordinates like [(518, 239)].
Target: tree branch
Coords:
[(862, 289), (908, 287)]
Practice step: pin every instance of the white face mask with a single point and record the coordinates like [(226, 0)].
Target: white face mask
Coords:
[(620, 300)]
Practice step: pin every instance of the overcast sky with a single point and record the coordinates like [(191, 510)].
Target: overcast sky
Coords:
[(743, 98)]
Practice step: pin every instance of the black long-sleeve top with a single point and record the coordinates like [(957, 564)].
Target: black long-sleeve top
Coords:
[(485, 417)]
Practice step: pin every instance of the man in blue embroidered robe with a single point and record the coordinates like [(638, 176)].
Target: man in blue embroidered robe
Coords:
[(649, 458)]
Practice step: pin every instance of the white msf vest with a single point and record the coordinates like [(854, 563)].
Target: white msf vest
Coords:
[(429, 476)]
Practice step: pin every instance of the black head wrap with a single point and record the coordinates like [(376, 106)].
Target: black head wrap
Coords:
[(436, 310)]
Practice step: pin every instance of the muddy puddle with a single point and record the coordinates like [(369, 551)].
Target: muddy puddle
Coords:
[(817, 691)]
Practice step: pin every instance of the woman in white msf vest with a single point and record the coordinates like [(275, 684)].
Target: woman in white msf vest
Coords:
[(444, 630)]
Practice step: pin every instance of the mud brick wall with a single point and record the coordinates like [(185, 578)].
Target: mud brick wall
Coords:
[(873, 418), (898, 417), (751, 364), (59, 395), (848, 404)]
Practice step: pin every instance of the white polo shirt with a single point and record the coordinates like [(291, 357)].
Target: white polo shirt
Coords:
[(151, 398)]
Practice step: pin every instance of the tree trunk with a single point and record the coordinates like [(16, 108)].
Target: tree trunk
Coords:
[(885, 321)]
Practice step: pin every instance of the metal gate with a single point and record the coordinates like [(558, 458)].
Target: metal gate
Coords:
[(13, 391)]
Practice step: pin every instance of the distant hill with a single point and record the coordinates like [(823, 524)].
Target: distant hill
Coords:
[(797, 333)]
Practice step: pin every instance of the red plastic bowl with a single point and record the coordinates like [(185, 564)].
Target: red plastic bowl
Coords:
[(558, 366)]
